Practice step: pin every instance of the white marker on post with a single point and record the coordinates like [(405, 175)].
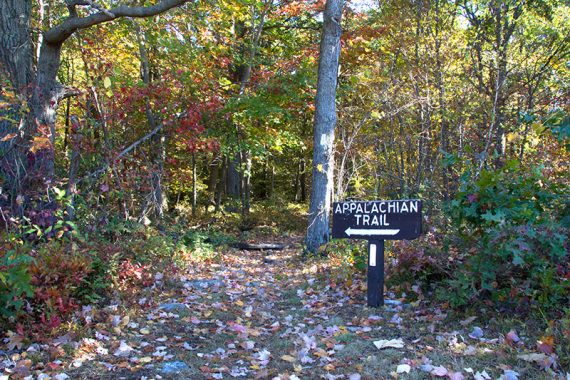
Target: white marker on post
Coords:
[(372, 255)]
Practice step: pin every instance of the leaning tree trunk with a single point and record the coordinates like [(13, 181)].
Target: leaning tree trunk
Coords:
[(324, 125)]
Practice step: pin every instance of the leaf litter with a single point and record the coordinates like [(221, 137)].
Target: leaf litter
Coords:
[(249, 318)]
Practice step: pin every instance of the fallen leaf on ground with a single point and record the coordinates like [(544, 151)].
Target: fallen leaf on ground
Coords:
[(439, 371), (546, 345), (392, 343), (482, 376), (533, 358), (512, 338), (288, 358), (456, 376), (403, 368), (467, 321), (509, 375)]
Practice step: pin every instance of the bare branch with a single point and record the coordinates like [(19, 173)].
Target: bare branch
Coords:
[(99, 8), (63, 31), (123, 153)]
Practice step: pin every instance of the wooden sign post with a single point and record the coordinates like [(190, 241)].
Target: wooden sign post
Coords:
[(377, 221)]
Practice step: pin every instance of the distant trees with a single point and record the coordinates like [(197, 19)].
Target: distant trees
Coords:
[(218, 105)]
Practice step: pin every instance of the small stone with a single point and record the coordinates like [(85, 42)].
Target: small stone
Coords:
[(123, 350), (173, 306), (403, 368), (477, 333), (174, 367)]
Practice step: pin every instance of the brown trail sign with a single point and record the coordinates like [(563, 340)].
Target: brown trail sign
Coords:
[(377, 221)]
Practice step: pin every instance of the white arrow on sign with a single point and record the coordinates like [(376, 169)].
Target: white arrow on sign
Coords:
[(370, 232)]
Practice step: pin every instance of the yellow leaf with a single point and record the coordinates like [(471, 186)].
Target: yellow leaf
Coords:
[(320, 168), (288, 358), (376, 115), (239, 303), (329, 367), (40, 143)]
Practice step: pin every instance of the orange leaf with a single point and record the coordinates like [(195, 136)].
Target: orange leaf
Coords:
[(546, 345), (40, 143), (9, 136)]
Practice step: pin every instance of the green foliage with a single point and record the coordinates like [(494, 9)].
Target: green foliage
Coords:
[(205, 245), (508, 224), (97, 281), (559, 124), (283, 215), (347, 255), (14, 279)]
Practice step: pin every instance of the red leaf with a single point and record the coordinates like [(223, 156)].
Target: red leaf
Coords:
[(512, 338)]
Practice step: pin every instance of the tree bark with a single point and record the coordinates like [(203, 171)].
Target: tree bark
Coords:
[(303, 180), (233, 179), (194, 187), (157, 146), (443, 135), (324, 125)]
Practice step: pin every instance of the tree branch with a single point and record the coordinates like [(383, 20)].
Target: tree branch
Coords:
[(123, 153), (63, 31)]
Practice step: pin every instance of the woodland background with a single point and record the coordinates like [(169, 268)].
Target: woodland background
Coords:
[(176, 134)]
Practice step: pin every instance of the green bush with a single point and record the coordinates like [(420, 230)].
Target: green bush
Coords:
[(14, 279), (509, 226), (203, 245), (347, 255)]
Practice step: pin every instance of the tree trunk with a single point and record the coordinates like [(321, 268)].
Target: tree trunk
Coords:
[(233, 179), (220, 189), (303, 180), (158, 153), (16, 59), (194, 187), (443, 135), (212, 181), (325, 120), (245, 182), (75, 143), (272, 181)]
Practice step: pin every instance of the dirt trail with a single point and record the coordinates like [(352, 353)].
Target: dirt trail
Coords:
[(270, 314)]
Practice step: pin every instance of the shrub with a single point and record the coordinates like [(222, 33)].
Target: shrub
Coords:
[(418, 261), (14, 278), (510, 227), (203, 245), (346, 257), (57, 274)]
